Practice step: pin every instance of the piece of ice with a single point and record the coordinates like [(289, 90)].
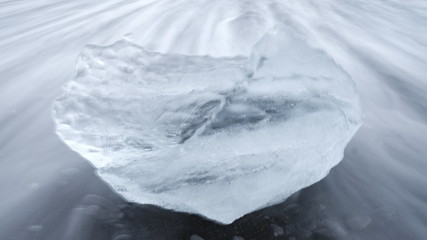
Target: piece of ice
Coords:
[(216, 137), (196, 237), (123, 237), (358, 223), (277, 230), (35, 228), (35, 186)]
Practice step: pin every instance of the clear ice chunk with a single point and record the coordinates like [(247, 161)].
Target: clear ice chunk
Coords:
[(211, 136)]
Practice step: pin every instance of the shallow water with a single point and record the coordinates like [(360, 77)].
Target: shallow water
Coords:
[(377, 192)]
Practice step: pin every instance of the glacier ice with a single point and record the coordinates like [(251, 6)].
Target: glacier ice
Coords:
[(219, 137)]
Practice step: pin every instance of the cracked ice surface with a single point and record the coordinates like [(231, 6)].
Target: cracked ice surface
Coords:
[(220, 137)]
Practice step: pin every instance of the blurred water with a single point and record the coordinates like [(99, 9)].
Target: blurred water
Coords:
[(377, 192)]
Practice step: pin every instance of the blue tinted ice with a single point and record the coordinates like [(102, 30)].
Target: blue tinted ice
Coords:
[(216, 137)]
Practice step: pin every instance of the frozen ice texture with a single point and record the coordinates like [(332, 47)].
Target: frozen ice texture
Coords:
[(211, 136)]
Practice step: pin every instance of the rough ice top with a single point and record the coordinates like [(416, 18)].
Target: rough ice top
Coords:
[(216, 137)]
